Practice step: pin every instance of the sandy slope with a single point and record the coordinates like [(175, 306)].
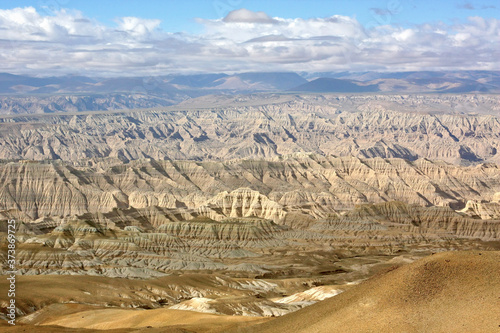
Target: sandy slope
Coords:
[(119, 318), (447, 292), (6, 328)]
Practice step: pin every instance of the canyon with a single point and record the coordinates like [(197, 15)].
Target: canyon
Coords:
[(253, 210)]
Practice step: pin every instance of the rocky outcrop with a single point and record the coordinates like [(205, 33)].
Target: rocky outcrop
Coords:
[(437, 221), (241, 245), (149, 193), (242, 202), (482, 210), (387, 126)]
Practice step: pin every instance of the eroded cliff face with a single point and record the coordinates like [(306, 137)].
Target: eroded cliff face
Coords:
[(483, 210), (148, 218), (242, 246), (307, 187), (409, 127)]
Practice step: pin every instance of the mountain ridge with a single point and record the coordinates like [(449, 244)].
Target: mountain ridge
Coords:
[(24, 94), (268, 126)]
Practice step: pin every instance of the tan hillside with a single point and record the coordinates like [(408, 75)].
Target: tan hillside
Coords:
[(447, 292), (105, 319)]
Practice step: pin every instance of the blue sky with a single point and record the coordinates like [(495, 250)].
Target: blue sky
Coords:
[(200, 36), (179, 15)]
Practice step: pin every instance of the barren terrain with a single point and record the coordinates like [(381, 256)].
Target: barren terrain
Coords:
[(459, 129), (257, 213)]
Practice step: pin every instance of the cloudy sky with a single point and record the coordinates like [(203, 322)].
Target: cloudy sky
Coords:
[(129, 37)]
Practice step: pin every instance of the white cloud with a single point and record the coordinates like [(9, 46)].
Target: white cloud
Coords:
[(26, 24), (247, 16), (69, 42), (138, 27)]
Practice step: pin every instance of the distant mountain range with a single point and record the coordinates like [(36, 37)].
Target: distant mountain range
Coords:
[(463, 81), (26, 94), (400, 82), (336, 85), (170, 84)]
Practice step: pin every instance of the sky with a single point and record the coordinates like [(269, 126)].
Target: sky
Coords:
[(154, 37)]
